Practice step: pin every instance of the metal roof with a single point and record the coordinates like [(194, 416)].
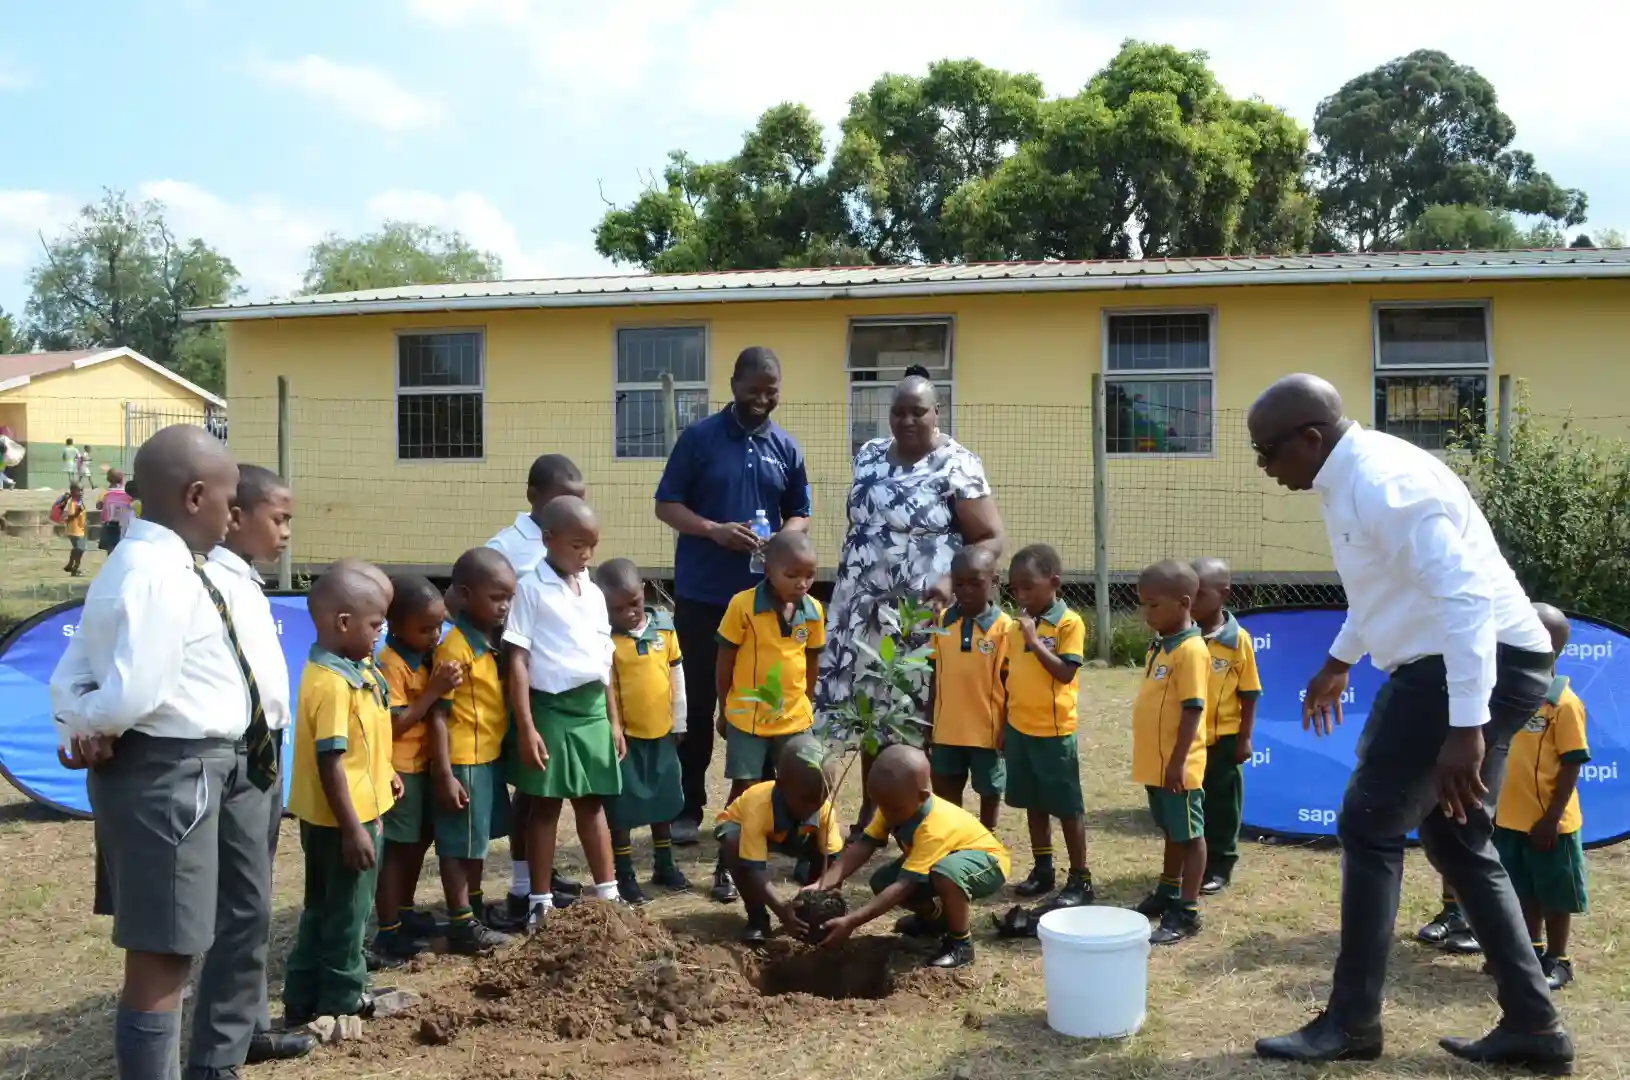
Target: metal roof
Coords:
[(19, 369), (863, 282)]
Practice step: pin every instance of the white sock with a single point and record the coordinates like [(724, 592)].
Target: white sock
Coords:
[(547, 900), (520, 878), (605, 890)]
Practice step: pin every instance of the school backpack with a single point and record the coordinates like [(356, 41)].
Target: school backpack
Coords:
[(59, 508)]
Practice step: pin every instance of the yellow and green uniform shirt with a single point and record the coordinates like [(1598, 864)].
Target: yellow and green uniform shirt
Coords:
[(406, 674), (1037, 703), (642, 664), (1233, 679), (763, 817), (477, 714), (73, 517), (1176, 676), (762, 640), (939, 828), (1556, 734), (341, 710), (969, 696)]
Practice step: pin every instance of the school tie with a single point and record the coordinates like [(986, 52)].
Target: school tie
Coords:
[(258, 737)]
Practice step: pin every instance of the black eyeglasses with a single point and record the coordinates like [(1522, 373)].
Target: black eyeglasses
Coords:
[(1267, 451)]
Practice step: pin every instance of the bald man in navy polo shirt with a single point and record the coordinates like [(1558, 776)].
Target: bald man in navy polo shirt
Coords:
[(722, 471)]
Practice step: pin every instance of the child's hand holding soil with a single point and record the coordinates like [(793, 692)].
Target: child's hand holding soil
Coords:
[(813, 908)]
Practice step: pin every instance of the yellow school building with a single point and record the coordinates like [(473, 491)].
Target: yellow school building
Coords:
[(413, 413), (107, 399)]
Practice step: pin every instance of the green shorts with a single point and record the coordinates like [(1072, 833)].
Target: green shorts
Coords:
[(1043, 774), (984, 766), (466, 833), (745, 754), (412, 819), (977, 873), (1553, 881), (1181, 817), (576, 731), (652, 789)]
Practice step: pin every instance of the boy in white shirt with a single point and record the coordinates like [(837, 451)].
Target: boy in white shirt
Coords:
[(151, 696), (567, 730)]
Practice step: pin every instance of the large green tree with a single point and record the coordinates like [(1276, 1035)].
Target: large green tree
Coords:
[(118, 276), (1151, 158), (399, 253), (13, 337), (1477, 228), (1418, 132), (772, 204)]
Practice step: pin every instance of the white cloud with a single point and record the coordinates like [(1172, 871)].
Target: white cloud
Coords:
[(266, 239), (24, 216), (365, 94), (486, 227)]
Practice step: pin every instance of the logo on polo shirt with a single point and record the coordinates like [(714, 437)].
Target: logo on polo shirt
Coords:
[(1160, 671), (987, 646), (1535, 725), (801, 635), (1050, 642), (1218, 663), (657, 645)]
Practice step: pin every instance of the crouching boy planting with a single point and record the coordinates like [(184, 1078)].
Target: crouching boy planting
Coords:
[(947, 860)]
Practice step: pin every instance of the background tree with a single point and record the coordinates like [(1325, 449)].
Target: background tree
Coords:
[(772, 204), (118, 276), (1467, 228), (1418, 132), (400, 253), (13, 339)]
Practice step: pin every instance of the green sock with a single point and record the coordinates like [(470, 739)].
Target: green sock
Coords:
[(623, 857), (1044, 860), (478, 900), (461, 921), (1189, 905), (664, 854), (1169, 888), (1081, 876)]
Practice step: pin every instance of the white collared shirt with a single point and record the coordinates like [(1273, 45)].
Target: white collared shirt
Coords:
[(257, 631), (150, 654), (1422, 571), (522, 545), (567, 635)]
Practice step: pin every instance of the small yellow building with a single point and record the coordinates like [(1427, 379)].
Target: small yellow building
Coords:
[(414, 412), (107, 399)]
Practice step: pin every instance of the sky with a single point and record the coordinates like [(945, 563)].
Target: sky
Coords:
[(263, 127)]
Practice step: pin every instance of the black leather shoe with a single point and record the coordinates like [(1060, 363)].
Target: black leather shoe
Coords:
[(724, 889), (1152, 906), (562, 886), (1558, 973), (954, 953), (1178, 923), (1077, 892), (671, 878), (1548, 1054), (757, 930), (536, 916), (1039, 883), (914, 925), (1321, 1041), (1462, 943), (1446, 922), (1213, 884), (628, 889), (279, 1046)]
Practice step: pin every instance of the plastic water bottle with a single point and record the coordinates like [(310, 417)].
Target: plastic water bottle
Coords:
[(761, 529)]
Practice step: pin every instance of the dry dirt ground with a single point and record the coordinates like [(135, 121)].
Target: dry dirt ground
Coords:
[(1261, 966)]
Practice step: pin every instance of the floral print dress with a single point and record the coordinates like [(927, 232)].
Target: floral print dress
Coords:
[(902, 535)]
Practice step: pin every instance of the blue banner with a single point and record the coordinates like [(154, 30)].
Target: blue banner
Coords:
[(1295, 781)]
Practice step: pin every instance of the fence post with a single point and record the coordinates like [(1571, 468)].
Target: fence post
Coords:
[(124, 451), (1100, 523), (1502, 430), (285, 562), (670, 414)]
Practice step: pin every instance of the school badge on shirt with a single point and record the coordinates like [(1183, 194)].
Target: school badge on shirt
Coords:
[(987, 646), (801, 634), (1050, 642), (1160, 672), (1218, 663), (1536, 725), (657, 645)]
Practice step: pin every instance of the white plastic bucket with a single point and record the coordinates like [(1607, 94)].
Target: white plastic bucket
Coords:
[(1095, 961)]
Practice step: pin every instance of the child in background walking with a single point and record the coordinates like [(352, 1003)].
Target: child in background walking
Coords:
[(73, 527), (648, 684), (1231, 697)]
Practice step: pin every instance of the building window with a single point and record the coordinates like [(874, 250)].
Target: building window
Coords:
[(880, 350), (644, 355), (439, 396), (1432, 367), (1158, 380)]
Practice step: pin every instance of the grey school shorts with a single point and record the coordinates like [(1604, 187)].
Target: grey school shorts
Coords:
[(158, 805)]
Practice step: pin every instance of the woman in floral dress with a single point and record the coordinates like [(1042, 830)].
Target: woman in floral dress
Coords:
[(917, 498)]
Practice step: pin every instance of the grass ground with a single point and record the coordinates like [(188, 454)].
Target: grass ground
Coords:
[(31, 575), (1261, 966)]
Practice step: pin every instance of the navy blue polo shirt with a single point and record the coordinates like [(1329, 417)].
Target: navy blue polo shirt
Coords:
[(724, 472)]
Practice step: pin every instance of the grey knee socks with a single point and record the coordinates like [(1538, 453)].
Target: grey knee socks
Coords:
[(147, 1045)]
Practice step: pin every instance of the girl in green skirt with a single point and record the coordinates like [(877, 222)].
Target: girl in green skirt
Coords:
[(648, 684), (567, 731)]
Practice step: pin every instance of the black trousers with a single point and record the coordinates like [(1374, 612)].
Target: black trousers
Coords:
[(696, 624), (1391, 792)]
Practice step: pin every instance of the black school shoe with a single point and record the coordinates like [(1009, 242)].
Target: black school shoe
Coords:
[(1321, 1041), (394, 950), (914, 925), (1213, 884), (671, 878), (1446, 922), (422, 925), (267, 1046), (954, 953), (1549, 1054), (1178, 923), (473, 937), (1462, 943), (757, 930), (1077, 891), (1153, 906), (1558, 971), (629, 891), (724, 888), (1039, 883)]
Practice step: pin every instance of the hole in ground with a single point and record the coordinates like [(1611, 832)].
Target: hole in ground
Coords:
[(861, 969)]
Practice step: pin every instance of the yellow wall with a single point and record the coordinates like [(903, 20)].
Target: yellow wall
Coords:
[(88, 404), (1023, 365)]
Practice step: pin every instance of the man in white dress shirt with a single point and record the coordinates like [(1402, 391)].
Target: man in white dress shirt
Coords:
[(151, 697), (1433, 602)]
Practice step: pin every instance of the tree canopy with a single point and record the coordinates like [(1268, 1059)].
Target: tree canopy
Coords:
[(118, 276), (399, 253)]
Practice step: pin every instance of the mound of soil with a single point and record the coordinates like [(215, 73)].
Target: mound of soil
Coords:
[(816, 909)]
